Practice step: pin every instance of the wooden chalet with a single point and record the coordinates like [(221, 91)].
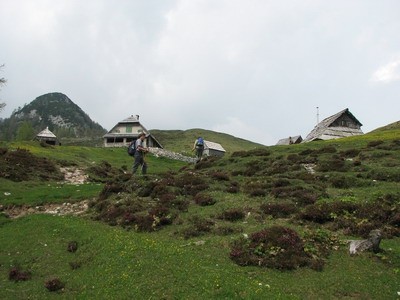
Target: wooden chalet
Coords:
[(47, 137), (126, 131), (342, 124), (297, 139), (213, 149)]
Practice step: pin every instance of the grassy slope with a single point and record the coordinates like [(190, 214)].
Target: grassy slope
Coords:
[(181, 141), (124, 264), (118, 264)]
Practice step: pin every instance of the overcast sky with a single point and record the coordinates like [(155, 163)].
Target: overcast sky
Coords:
[(255, 69)]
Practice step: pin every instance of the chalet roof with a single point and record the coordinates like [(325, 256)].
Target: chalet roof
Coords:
[(213, 146), (286, 141), (131, 119), (328, 121), (325, 131), (46, 133)]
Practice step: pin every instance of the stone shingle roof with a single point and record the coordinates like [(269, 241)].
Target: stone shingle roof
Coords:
[(286, 141), (325, 131), (46, 133), (213, 146)]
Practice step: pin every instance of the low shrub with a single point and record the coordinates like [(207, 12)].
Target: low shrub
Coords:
[(332, 164), (281, 182), (161, 215), (350, 153), (241, 154), (75, 265), (191, 184), (372, 144), (298, 194), (203, 199), (327, 212), (221, 176), (21, 165), (198, 226), (206, 163), (15, 274), (103, 171), (233, 214), (147, 189), (226, 230), (326, 149), (280, 209), (144, 222), (306, 152), (167, 198), (257, 192), (233, 188), (160, 189), (179, 204), (316, 213), (111, 188), (54, 284), (384, 174), (253, 167), (3, 150), (72, 246), (294, 158), (255, 152), (274, 247), (341, 181)]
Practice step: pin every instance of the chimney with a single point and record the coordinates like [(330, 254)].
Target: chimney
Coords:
[(137, 117)]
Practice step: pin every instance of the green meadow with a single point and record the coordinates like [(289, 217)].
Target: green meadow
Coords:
[(172, 234)]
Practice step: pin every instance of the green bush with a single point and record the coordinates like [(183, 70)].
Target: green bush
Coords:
[(281, 209), (274, 247)]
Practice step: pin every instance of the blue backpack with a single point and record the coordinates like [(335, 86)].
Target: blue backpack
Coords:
[(200, 142), (132, 148)]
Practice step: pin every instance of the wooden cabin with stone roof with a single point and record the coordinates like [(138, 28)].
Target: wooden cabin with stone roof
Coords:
[(126, 131), (213, 149), (297, 139), (47, 137), (342, 124)]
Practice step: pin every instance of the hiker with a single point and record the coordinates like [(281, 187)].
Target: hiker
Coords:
[(199, 147), (140, 154)]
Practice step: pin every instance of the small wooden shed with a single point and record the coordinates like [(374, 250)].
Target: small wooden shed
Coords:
[(47, 136), (297, 139), (213, 149)]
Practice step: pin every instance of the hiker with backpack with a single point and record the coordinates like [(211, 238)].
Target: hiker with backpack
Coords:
[(199, 147), (139, 154)]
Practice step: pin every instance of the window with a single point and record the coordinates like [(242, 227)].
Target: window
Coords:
[(128, 129)]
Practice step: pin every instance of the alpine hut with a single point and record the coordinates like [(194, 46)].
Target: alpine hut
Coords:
[(297, 139), (213, 149), (47, 137), (126, 131), (342, 124)]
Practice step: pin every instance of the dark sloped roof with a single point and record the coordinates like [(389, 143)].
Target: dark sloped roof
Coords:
[(324, 130)]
